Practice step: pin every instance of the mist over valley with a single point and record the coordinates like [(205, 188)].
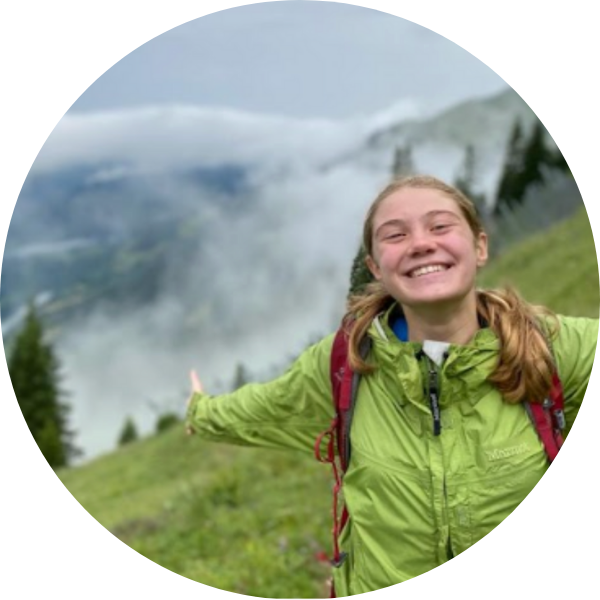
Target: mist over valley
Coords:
[(156, 240)]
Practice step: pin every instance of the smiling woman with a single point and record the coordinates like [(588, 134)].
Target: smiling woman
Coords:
[(424, 251), (443, 445)]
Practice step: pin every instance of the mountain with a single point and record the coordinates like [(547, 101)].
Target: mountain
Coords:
[(438, 143), (106, 232), (463, 124), (159, 239), (111, 186)]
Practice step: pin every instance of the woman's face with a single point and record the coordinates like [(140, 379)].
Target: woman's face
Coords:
[(424, 251)]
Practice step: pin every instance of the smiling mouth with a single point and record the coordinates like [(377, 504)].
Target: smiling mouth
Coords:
[(420, 271)]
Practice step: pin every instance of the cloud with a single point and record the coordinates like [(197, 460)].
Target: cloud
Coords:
[(276, 275), (262, 282), (272, 279), (182, 136)]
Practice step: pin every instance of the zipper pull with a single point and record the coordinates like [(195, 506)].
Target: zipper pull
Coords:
[(432, 390), (434, 403)]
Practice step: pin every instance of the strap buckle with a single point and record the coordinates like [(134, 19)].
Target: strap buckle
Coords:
[(559, 419), (556, 414)]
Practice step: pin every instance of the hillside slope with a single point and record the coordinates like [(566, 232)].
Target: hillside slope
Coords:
[(254, 521), (247, 520), (557, 268)]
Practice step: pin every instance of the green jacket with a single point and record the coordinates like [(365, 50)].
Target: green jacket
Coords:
[(415, 500)]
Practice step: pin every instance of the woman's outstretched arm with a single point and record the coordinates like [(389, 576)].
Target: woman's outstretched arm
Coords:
[(288, 412)]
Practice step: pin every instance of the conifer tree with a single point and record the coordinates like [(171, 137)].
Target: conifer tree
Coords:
[(34, 373), (557, 160), (466, 180), (510, 190), (129, 433), (360, 275), (240, 377), (536, 157), (526, 165), (403, 163)]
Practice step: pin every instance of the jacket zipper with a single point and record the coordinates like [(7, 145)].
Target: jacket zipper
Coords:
[(449, 552), (433, 391)]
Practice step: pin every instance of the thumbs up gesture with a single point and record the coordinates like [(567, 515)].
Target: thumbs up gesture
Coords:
[(196, 388)]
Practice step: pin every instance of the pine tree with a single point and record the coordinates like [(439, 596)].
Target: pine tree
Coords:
[(34, 373), (510, 190), (240, 377), (360, 275), (536, 158), (557, 161), (526, 165), (466, 181), (129, 433), (403, 163)]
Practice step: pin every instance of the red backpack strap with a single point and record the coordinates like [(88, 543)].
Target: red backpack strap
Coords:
[(342, 381), (341, 391), (549, 418), (344, 386), (340, 373)]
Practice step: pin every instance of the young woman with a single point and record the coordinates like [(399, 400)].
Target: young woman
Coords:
[(422, 485)]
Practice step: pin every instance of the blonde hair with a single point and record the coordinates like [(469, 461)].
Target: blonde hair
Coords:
[(525, 362)]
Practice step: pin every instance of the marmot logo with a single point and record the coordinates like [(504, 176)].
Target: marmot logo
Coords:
[(499, 454)]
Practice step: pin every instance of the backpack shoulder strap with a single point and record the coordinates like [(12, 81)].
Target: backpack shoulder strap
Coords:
[(343, 396), (339, 368), (344, 385), (548, 417), (339, 372)]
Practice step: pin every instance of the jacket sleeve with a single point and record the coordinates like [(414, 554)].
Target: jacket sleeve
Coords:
[(288, 412), (574, 350)]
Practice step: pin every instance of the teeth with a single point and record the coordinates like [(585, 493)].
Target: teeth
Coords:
[(428, 269)]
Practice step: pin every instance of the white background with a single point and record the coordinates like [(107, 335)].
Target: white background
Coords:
[(51, 52)]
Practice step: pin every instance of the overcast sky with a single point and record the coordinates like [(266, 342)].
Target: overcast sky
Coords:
[(295, 58)]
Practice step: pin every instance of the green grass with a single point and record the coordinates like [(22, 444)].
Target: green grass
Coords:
[(251, 520), (557, 268), (240, 519)]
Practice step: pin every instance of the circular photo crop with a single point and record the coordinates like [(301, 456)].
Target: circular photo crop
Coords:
[(300, 299)]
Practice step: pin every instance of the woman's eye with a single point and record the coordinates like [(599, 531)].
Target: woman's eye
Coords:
[(440, 226), (394, 236)]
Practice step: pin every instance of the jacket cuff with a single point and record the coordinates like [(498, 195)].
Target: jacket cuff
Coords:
[(195, 398)]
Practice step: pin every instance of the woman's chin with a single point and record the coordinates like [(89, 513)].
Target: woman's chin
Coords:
[(431, 299)]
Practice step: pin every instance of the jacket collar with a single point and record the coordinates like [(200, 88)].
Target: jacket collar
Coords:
[(464, 373)]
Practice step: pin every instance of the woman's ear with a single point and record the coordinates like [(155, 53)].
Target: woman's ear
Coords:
[(372, 265), (482, 249)]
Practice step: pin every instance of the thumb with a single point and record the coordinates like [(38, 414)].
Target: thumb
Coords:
[(196, 384)]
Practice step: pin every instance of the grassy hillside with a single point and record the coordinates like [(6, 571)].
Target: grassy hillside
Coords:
[(253, 521), (240, 519), (557, 268)]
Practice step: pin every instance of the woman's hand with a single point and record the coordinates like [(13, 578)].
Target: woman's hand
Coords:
[(196, 384), (196, 388)]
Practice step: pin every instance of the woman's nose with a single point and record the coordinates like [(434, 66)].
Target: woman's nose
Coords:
[(422, 243)]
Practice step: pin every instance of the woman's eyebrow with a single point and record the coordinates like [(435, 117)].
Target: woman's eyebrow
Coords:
[(430, 215), (436, 213)]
